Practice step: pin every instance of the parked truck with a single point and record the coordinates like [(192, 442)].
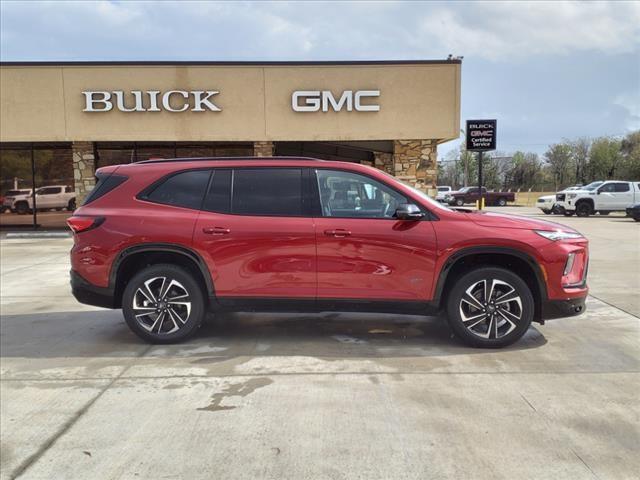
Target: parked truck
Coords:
[(472, 194), (55, 197), (600, 197)]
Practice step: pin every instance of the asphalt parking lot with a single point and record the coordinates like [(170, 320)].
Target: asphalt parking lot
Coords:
[(318, 396)]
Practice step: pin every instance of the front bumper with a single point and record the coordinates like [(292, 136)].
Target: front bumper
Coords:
[(90, 294), (563, 308)]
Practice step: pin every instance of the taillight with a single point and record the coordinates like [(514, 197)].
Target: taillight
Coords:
[(82, 224)]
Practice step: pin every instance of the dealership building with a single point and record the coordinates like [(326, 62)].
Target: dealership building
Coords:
[(59, 122)]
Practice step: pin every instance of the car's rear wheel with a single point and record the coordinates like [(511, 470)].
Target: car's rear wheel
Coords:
[(546, 212), (459, 202), (583, 209), (490, 307), (163, 304), (503, 201), (71, 206)]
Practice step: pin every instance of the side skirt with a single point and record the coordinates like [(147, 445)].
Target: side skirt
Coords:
[(295, 305)]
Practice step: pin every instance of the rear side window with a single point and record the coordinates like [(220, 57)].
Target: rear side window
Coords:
[(267, 191), (104, 184), (621, 187), (184, 189)]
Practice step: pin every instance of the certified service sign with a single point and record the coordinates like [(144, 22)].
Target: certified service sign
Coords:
[(481, 135)]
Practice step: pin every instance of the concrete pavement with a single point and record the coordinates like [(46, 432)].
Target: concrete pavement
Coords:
[(315, 396)]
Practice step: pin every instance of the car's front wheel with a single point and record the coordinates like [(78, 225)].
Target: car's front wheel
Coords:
[(502, 202), (163, 304), (459, 202), (490, 307), (584, 209)]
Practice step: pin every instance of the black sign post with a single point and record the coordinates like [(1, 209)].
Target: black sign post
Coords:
[(481, 137)]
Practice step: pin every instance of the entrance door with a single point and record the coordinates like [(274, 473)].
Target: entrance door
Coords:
[(255, 236), (363, 251)]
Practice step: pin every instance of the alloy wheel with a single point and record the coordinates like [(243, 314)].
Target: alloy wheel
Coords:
[(162, 305), (491, 308)]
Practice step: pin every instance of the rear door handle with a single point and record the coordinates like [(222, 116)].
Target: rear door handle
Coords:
[(339, 232), (216, 230)]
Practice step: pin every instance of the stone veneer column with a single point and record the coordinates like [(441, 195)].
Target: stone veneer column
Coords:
[(84, 169), (384, 161), (414, 162), (263, 149)]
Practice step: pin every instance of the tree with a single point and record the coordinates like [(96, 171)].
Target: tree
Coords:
[(630, 150), (605, 158), (558, 157), (580, 156)]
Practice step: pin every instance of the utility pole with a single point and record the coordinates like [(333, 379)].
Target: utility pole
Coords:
[(481, 202)]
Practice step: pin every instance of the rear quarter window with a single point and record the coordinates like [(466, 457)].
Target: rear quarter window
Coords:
[(104, 184)]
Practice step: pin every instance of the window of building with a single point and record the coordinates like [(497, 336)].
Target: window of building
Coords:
[(45, 168), (184, 189), (267, 191), (350, 195)]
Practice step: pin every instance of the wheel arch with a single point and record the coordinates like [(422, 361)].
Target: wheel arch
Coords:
[(136, 257), (511, 259)]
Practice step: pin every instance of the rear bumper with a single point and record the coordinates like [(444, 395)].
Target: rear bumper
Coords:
[(90, 294), (563, 308)]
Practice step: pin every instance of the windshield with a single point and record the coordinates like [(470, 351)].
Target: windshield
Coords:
[(592, 186), (464, 189)]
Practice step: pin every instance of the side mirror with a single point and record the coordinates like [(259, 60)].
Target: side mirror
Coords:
[(408, 211)]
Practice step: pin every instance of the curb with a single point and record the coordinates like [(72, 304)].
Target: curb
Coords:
[(11, 235)]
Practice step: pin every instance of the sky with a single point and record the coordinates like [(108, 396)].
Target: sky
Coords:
[(547, 71)]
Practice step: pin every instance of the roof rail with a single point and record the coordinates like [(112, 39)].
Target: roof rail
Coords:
[(226, 159)]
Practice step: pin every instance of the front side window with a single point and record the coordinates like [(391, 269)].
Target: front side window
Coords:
[(608, 188), (350, 195), (184, 189), (267, 191)]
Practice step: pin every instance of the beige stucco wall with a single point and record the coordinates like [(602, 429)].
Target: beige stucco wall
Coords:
[(45, 103)]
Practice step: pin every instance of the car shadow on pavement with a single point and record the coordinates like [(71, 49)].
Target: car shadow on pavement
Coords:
[(104, 334)]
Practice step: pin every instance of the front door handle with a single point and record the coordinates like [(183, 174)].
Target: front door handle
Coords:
[(216, 230), (339, 232)]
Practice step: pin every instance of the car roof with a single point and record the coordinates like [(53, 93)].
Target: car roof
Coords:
[(230, 162)]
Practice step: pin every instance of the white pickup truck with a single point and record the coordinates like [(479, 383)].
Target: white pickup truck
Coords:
[(49, 197), (600, 197)]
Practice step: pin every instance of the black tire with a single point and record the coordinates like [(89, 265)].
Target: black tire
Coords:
[(71, 206), (584, 209), (546, 212), (509, 328), (637, 219), (502, 202), (459, 202), (183, 328), (22, 208)]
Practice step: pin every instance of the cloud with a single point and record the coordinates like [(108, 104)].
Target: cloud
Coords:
[(515, 29), (630, 103), (315, 30)]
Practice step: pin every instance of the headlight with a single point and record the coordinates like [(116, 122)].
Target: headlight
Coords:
[(572, 195), (555, 235)]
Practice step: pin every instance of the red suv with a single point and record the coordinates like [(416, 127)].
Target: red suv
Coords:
[(168, 240)]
